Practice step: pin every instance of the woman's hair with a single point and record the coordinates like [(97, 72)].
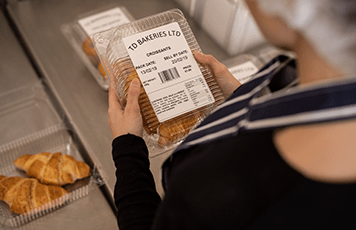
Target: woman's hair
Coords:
[(329, 25), (345, 10)]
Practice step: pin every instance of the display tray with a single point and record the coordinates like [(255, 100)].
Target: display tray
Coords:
[(53, 139), (30, 125), (79, 35)]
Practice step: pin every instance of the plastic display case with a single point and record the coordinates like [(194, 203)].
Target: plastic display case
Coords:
[(25, 110), (176, 91), (79, 34), (31, 125), (244, 66)]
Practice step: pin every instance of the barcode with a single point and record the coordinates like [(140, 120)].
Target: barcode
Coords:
[(168, 75)]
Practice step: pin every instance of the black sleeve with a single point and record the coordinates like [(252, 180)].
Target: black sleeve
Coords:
[(135, 193)]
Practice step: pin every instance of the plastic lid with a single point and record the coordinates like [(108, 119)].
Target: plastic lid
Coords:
[(177, 92)]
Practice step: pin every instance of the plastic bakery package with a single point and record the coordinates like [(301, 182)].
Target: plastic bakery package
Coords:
[(244, 66), (80, 34), (176, 91), (37, 175), (43, 163)]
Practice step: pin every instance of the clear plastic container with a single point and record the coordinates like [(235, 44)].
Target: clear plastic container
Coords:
[(25, 110), (53, 139), (177, 92), (243, 66), (101, 41), (79, 34), (30, 124), (268, 52)]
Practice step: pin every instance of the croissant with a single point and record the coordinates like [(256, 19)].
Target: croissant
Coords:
[(174, 130), (150, 120), (26, 194), (89, 50), (169, 131), (53, 169)]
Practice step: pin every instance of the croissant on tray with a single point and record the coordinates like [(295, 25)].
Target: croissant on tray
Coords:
[(53, 169), (26, 194)]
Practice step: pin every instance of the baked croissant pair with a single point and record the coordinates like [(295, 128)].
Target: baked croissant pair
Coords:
[(53, 169), (51, 172)]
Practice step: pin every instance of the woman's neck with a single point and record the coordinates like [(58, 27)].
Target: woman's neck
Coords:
[(312, 67)]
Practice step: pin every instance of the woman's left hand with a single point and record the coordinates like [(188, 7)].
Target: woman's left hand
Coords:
[(125, 120)]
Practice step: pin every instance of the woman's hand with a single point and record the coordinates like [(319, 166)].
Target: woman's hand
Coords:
[(123, 121), (227, 82)]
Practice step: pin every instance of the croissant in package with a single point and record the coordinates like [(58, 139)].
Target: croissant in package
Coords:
[(178, 128), (26, 194), (53, 169), (168, 131), (176, 91), (89, 50)]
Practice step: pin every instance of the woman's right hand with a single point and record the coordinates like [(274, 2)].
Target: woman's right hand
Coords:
[(227, 82)]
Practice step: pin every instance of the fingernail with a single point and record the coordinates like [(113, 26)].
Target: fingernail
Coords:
[(135, 81), (196, 52)]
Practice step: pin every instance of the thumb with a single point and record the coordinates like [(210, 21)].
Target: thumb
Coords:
[(133, 95), (206, 59)]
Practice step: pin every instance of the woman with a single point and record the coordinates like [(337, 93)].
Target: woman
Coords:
[(280, 161)]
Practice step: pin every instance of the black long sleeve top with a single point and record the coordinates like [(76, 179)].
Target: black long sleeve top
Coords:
[(219, 186), (228, 173)]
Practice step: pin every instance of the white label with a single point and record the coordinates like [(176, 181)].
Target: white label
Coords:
[(244, 71), (103, 21), (168, 71)]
